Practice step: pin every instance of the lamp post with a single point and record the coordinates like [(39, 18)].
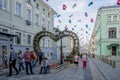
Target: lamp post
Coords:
[(61, 51)]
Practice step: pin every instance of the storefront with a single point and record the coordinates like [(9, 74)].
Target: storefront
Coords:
[(6, 41)]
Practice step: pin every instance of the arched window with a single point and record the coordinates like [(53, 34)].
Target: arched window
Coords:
[(112, 33)]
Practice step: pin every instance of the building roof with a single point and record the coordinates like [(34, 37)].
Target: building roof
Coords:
[(110, 6), (48, 6)]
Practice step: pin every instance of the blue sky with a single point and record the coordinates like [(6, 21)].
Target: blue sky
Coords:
[(78, 18)]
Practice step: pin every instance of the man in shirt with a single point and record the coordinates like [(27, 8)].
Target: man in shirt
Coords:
[(12, 62), (40, 56), (28, 61)]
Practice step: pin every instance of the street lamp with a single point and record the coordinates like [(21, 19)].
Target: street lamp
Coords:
[(61, 51)]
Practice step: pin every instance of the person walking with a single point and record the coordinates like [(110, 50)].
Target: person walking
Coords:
[(76, 60), (84, 60), (28, 61), (20, 60), (33, 57), (40, 56), (12, 62), (4, 59)]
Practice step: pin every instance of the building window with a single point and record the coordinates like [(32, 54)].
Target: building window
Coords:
[(28, 14), (48, 25), (43, 43), (36, 19), (48, 14), (115, 18), (37, 5), (109, 18), (18, 9), (18, 38), (28, 1), (3, 4), (43, 11), (112, 32), (43, 21), (48, 43), (29, 40)]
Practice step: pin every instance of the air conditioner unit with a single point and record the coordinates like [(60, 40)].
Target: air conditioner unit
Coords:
[(28, 22)]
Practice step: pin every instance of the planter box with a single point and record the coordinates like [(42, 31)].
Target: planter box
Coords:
[(70, 61)]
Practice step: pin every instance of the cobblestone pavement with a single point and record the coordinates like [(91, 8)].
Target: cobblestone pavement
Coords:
[(106, 70), (70, 73)]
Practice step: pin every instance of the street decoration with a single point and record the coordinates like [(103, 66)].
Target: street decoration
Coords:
[(64, 7), (70, 21), (91, 20), (74, 5), (41, 34), (90, 4), (118, 2), (86, 14)]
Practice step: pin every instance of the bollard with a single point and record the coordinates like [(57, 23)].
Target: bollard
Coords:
[(113, 64), (106, 60), (103, 59), (110, 62)]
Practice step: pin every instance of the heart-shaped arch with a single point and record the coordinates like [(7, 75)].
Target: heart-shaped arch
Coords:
[(62, 34)]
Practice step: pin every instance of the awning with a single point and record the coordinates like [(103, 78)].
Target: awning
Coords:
[(113, 44), (8, 34)]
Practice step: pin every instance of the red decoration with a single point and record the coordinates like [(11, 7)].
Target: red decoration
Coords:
[(64, 7), (91, 20), (118, 2)]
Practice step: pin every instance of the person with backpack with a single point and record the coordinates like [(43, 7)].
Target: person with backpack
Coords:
[(20, 60)]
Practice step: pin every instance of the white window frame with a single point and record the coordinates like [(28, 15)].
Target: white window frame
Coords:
[(115, 18), (43, 22), (37, 19), (4, 6), (43, 41), (28, 17), (18, 13), (20, 38), (37, 6), (29, 36), (48, 25), (48, 14), (109, 18), (110, 35), (43, 11)]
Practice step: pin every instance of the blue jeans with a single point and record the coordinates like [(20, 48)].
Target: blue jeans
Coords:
[(45, 69), (30, 67), (21, 66)]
